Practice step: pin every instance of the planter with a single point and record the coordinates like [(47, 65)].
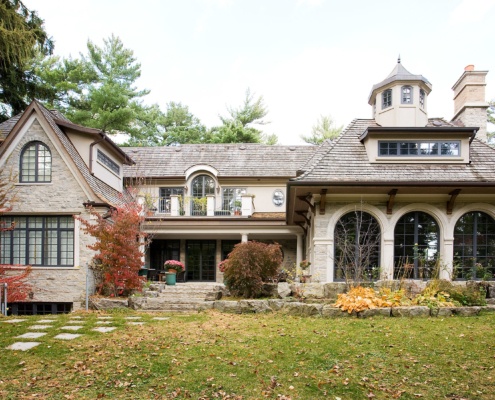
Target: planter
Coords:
[(172, 271), (170, 278)]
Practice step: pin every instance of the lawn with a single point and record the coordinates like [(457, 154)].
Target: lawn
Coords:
[(224, 356)]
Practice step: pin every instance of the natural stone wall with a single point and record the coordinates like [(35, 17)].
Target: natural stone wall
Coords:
[(62, 196)]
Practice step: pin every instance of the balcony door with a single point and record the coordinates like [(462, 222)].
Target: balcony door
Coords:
[(200, 260), (201, 186)]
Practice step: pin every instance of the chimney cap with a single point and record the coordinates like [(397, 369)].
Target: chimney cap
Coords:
[(469, 67)]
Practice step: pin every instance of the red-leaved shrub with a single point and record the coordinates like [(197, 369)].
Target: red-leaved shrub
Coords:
[(249, 266)]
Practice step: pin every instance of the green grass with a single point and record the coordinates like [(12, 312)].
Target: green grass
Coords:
[(225, 356)]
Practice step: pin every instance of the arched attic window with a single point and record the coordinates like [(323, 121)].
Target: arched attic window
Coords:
[(387, 99), (406, 95), (35, 163)]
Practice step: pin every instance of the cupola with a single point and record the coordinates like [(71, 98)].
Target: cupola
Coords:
[(400, 99)]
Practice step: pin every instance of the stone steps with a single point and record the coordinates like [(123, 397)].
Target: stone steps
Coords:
[(182, 297)]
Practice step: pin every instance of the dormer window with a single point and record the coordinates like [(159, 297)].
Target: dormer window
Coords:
[(387, 99), (419, 148), (406, 95), (422, 95)]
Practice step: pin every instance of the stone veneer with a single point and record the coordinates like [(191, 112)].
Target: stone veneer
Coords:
[(62, 196)]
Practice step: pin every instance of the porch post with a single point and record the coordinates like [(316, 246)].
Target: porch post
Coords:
[(299, 254), (210, 205), (244, 237)]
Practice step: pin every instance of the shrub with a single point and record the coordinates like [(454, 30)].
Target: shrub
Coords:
[(250, 265), (471, 294)]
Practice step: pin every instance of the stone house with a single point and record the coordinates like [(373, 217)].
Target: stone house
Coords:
[(59, 169), (397, 195)]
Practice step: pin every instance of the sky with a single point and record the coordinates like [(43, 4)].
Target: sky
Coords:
[(307, 58)]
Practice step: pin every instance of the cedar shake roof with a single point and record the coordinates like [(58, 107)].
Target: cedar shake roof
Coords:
[(230, 160), (345, 160), (104, 192), (6, 126)]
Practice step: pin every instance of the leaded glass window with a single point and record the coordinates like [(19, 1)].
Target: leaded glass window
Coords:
[(357, 247), (416, 246), (407, 95), (37, 240), (36, 163), (387, 98), (474, 246)]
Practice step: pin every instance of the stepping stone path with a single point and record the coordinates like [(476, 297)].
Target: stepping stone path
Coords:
[(74, 324), (105, 329)]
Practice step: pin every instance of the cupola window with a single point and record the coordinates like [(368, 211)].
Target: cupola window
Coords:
[(422, 98), (407, 95), (387, 98)]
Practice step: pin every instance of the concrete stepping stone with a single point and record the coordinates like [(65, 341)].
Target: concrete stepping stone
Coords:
[(40, 327), (46, 321), (31, 335), (72, 327), (105, 329), (161, 318), (135, 323), (132, 318), (76, 317), (76, 321), (23, 346), (103, 322), (15, 321), (104, 317), (67, 336)]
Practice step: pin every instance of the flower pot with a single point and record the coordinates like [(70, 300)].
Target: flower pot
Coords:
[(172, 271), (305, 278), (170, 278)]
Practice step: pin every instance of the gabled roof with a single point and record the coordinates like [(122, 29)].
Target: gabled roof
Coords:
[(230, 160), (345, 161), (104, 192)]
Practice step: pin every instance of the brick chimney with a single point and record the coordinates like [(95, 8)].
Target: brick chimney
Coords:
[(469, 100)]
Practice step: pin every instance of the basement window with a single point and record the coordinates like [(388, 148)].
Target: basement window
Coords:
[(28, 308)]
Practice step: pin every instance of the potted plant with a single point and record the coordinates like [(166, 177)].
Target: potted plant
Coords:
[(237, 207), (200, 204), (174, 266)]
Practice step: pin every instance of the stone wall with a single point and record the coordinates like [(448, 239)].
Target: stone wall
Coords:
[(64, 195)]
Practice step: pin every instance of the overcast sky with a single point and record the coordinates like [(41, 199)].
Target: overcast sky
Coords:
[(305, 57)]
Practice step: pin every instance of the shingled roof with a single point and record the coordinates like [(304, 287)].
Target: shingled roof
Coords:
[(104, 192), (230, 160), (345, 160)]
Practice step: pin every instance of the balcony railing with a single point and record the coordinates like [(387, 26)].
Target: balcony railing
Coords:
[(209, 206)]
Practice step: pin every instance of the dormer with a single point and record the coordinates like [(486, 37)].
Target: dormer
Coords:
[(400, 99)]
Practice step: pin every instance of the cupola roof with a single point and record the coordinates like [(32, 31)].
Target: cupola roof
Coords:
[(399, 73)]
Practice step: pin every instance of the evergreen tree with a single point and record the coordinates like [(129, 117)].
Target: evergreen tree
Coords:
[(323, 129), (22, 38)]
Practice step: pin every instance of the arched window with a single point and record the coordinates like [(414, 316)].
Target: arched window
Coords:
[(407, 95), (201, 186), (36, 163), (474, 246), (387, 98), (416, 246), (357, 247)]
